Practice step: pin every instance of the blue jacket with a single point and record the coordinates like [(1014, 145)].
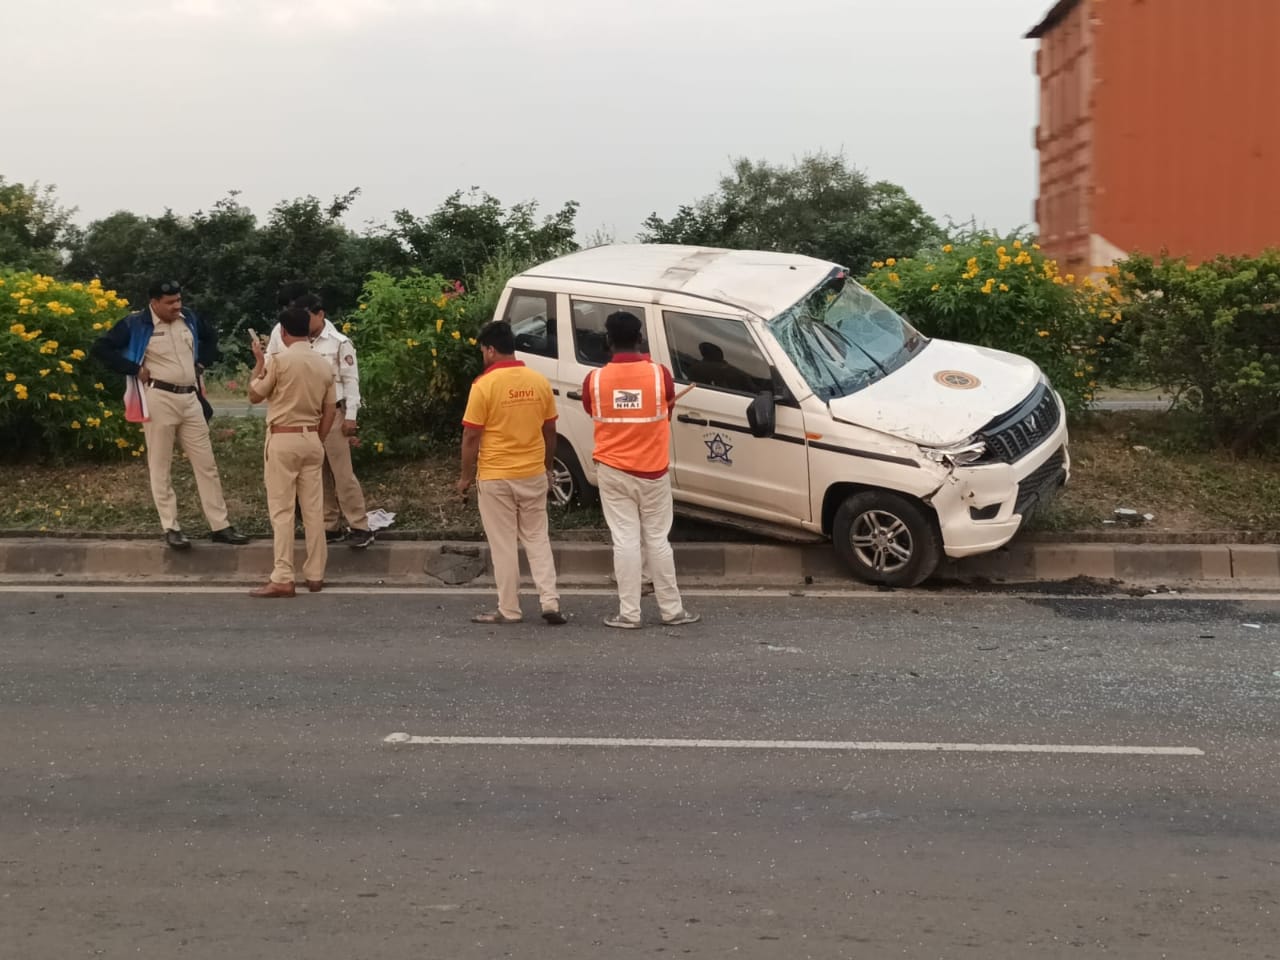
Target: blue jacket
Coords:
[(123, 347)]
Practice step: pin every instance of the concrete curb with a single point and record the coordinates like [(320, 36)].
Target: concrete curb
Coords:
[(443, 563)]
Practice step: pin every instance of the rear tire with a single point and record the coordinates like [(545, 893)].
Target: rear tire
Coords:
[(569, 485), (886, 538)]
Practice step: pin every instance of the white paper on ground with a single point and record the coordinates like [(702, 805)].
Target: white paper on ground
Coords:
[(380, 519)]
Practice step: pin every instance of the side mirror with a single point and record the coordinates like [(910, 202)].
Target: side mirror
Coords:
[(762, 416)]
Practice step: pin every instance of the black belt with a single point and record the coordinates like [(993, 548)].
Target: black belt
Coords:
[(171, 387)]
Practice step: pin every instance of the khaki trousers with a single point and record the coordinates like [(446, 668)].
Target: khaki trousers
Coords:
[(514, 514), (291, 465), (639, 514), (179, 416), (342, 494)]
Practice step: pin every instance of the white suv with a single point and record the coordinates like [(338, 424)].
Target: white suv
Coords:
[(816, 411)]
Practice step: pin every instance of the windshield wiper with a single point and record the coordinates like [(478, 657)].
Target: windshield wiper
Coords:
[(862, 350)]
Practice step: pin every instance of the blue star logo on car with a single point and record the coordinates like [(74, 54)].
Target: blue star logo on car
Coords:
[(718, 450)]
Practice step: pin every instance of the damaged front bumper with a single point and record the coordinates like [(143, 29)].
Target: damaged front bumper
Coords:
[(980, 508)]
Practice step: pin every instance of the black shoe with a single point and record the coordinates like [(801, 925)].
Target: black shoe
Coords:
[(176, 540), (359, 539), (334, 536), (229, 535)]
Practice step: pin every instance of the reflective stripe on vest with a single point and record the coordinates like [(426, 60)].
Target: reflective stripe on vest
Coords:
[(660, 397)]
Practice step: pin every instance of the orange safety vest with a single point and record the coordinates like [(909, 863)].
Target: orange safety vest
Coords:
[(629, 407)]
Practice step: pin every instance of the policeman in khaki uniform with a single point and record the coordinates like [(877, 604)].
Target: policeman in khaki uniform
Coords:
[(163, 350), (299, 386), (342, 494)]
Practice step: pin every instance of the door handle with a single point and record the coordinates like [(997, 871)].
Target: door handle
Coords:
[(574, 395), (686, 418)]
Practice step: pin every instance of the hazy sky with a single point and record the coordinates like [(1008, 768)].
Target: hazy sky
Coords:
[(627, 106)]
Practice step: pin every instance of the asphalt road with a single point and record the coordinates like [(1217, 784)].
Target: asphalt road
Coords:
[(204, 775)]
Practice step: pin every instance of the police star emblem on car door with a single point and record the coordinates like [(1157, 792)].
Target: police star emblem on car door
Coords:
[(718, 449)]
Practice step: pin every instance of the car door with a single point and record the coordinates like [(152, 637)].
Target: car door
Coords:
[(716, 461), (537, 320)]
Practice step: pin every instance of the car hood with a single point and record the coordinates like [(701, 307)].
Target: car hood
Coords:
[(944, 395)]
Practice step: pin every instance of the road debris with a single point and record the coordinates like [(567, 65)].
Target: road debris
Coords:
[(1131, 516)]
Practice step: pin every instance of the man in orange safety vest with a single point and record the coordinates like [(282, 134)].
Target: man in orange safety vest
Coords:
[(630, 401)]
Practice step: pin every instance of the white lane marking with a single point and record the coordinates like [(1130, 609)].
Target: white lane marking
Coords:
[(402, 590), (771, 593), (401, 739)]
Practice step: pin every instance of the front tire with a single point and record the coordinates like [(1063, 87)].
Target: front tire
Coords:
[(569, 483), (886, 538)]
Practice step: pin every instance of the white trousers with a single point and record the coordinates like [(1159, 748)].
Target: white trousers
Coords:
[(639, 514), (514, 513)]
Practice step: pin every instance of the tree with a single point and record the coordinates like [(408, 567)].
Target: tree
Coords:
[(820, 206), (231, 265), (33, 228), (304, 239), (111, 249), (468, 230)]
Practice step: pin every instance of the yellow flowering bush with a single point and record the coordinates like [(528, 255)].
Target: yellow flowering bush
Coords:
[(1002, 292), (415, 339), (54, 401)]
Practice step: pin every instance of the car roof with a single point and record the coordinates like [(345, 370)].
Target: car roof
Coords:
[(762, 282)]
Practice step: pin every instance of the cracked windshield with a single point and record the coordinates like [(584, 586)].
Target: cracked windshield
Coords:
[(842, 338)]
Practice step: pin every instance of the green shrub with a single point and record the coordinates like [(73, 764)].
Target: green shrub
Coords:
[(54, 401), (486, 289), (1211, 334), (1002, 292), (415, 339)]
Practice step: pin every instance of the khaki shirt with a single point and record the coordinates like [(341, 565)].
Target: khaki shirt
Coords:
[(336, 347), (298, 385), (170, 355)]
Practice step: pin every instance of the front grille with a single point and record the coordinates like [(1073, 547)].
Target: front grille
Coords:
[(1011, 436), (1040, 483)]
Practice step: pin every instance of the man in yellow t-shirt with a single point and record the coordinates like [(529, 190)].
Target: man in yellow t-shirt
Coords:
[(508, 442)]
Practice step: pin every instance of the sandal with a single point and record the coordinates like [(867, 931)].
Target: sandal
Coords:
[(494, 617)]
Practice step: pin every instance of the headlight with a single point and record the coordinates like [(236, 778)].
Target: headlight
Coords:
[(957, 454)]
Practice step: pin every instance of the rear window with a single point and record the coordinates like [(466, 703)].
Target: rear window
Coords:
[(590, 344)]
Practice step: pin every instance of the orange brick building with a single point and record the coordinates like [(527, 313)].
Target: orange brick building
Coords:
[(1159, 128)]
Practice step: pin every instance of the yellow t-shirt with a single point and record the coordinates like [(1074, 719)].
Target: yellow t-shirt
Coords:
[(510, 403)]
